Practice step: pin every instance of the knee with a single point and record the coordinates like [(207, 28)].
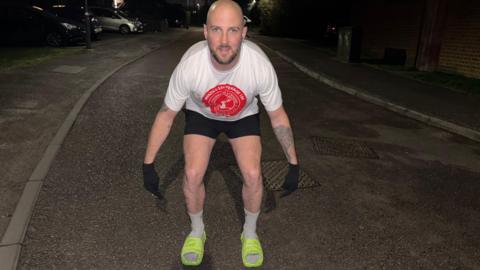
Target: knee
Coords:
[(193, 177), (253, 178)]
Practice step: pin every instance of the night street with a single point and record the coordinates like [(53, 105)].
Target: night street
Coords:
[(384, 191)]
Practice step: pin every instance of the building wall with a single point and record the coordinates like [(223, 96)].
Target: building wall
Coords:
[(397, 24), (388, 24), (460, 52)]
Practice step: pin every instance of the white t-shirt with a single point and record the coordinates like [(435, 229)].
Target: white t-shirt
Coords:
[(229, 95)]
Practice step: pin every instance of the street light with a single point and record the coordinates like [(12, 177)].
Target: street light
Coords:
[(87, 25), (187, 15)]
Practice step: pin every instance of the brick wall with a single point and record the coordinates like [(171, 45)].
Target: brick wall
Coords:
[(460, 52), (388, 24)]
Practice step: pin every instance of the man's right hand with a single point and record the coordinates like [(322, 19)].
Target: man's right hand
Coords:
[(151, 180)]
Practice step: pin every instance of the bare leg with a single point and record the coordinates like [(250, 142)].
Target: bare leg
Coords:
[(248, 151), (197, 149)]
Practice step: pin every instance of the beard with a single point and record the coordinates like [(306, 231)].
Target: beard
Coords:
[(226, 61)]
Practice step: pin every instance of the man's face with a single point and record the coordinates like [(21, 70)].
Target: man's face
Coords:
[(224, 32)]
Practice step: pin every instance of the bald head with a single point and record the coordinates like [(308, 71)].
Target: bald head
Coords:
[(222, 6), (224, 32)]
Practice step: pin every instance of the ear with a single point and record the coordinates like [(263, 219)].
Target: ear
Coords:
[(244, 32), (205, 31)]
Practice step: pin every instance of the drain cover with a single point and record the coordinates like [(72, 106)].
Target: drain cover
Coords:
[(342, 148), (274, 174), (69, 69)]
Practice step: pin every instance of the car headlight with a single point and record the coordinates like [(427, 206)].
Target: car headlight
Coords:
[(69, 26)]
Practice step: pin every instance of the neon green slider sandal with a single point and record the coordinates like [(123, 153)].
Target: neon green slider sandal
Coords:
[(251, 247), (193, 245)]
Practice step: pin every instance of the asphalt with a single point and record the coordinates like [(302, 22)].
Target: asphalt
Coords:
[(40, 106)]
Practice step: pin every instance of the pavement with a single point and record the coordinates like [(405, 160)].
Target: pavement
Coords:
[(39, 106), (453, 111)]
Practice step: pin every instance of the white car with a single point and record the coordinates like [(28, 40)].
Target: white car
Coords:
[(116, 20)]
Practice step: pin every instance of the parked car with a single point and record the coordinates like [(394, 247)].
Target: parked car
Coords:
[(78, 14), (175, 22), (117, 20), (33, 25)]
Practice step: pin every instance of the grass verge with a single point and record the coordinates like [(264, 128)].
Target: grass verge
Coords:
[(16, 57), (452, 81), (465, 84)]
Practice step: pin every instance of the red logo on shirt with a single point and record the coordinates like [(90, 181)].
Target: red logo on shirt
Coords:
[(225, 100)]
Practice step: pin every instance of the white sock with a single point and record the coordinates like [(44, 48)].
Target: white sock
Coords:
[(197, 230), (249, 232), (197, 224), (250, 226)]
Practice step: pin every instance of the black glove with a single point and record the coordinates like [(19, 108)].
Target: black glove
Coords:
[(151, 180), (291, 180)]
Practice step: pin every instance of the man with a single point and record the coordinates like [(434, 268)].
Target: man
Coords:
[(219, 80)]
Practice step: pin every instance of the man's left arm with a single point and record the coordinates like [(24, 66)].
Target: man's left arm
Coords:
[(283, 132)]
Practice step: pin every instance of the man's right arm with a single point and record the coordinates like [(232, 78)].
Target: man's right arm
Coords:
[(159, 132)]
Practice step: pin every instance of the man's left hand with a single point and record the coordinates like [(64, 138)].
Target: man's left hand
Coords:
[(291, 180), (151, 180)]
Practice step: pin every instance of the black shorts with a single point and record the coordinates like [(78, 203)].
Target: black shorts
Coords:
[(196, 123)]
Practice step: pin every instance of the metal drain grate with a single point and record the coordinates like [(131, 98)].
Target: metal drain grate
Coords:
[(342, 148), (274, 173)]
